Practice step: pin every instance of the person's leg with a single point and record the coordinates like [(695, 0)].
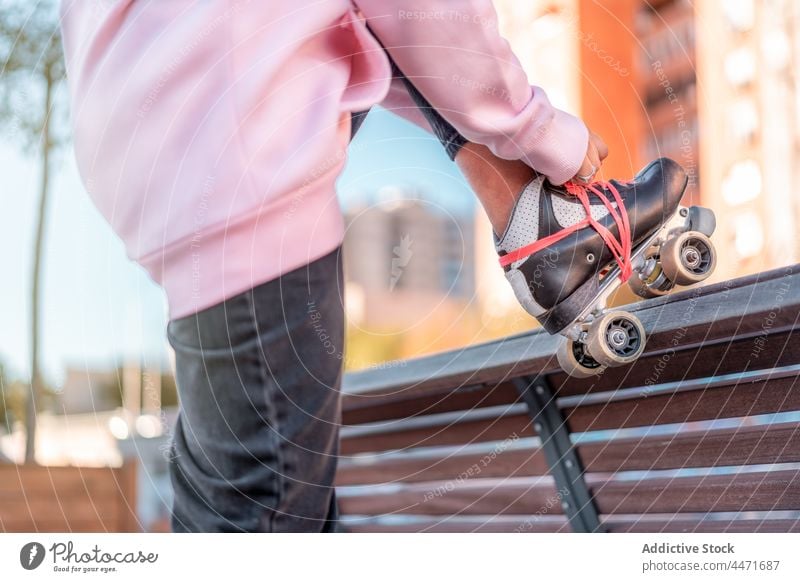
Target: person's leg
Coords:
[(256, 441), (497, 183)]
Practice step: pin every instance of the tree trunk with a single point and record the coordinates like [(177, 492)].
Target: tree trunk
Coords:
[(36, 388)]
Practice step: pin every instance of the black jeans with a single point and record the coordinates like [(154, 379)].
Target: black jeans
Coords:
[(257, 437)]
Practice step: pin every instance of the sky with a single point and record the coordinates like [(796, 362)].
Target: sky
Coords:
[(99, 307)]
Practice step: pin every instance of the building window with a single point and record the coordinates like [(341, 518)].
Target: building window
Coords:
[(743, 182)]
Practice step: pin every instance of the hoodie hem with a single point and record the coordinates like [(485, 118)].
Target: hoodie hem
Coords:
[(209, 268)]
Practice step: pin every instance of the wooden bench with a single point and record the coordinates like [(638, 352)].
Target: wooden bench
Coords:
[(701, 434), (34, 498)]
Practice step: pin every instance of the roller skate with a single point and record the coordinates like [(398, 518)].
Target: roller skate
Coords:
[(566, 249)]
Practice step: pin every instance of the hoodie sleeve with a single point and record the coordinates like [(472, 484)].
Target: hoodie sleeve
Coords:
[(399, 102), (453, 53)]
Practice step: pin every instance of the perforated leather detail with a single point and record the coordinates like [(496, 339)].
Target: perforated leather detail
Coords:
[(568, 213), (523, 228)]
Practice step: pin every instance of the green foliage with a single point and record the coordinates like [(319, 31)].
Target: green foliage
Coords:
[(31, 58), (12, 400), (4, 420), (169, 391), (364, 348)]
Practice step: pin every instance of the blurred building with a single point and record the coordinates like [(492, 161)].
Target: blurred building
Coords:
[(404, 256), (666, 78), (87, 391), (132, 387), (747, 66), (584, 54), (710, 84)]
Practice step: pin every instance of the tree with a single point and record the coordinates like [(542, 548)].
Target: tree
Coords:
[(12, 400), (4, 405), (33, 69), (4, 408)]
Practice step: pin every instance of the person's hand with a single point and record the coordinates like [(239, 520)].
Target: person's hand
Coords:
[(595, 154)]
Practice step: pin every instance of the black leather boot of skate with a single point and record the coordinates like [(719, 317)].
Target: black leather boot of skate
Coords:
[(567, 248)]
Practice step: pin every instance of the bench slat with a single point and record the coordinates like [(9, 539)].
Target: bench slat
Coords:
[(747, 399), (631, 524), (442, 466), (360, 409), (452, 498), (748, 445), (469, 427), (707, 526), (480, 524), (756, 491)]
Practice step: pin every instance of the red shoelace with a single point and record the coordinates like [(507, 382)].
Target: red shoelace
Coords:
[(620, 249)]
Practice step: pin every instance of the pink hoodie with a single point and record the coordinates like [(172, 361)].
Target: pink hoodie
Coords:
[(210, 134)]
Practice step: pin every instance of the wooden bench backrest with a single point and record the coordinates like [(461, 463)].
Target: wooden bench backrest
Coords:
[(701, 434)]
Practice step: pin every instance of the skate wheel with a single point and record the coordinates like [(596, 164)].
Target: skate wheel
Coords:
[(575, 361), (654, 285), (616, 338), (688, 258)]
